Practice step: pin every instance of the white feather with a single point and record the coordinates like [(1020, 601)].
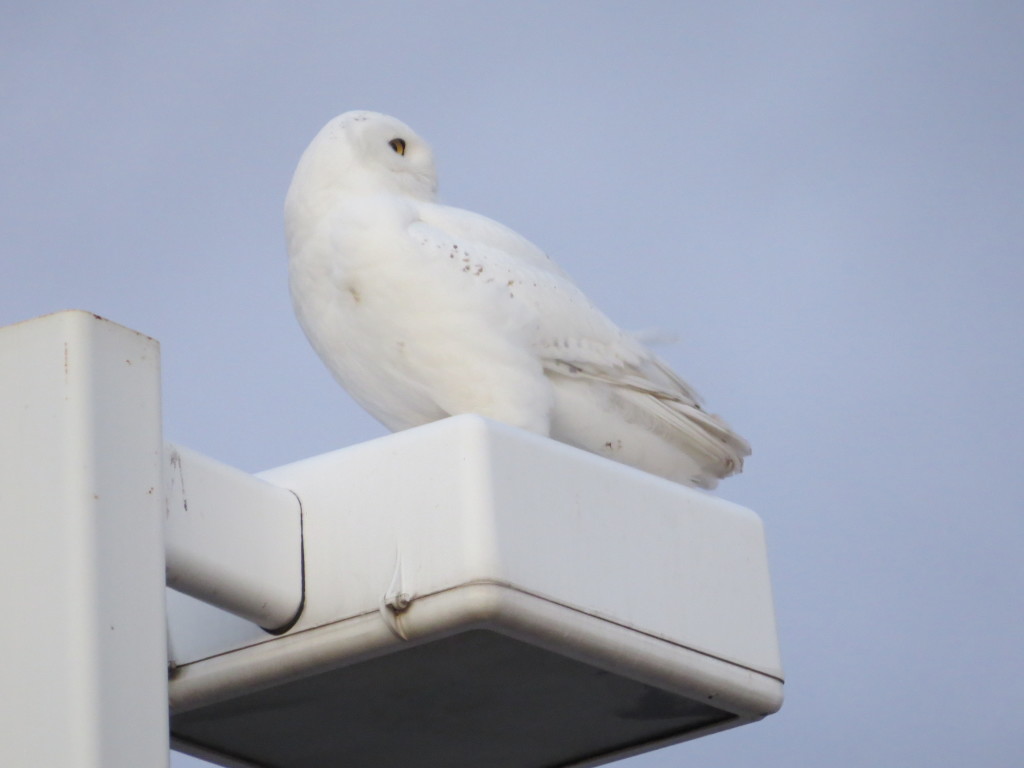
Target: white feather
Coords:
[(423, 311)]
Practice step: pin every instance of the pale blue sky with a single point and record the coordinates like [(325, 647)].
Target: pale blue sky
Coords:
[(825, 201)]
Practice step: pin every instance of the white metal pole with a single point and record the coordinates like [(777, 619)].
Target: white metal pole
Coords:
[(83, 640)]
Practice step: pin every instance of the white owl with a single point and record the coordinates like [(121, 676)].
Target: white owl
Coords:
[(424, 311)]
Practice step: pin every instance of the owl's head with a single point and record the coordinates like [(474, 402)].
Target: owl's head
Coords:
[(366, 153)]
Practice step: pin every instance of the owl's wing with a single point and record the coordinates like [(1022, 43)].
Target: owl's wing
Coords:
[(576, 340), (476, 231), (562, 320), (671, 405)]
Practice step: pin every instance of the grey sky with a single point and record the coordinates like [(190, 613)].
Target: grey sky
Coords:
[(825, 200)]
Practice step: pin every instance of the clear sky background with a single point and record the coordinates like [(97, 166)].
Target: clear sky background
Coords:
[(824, 200)]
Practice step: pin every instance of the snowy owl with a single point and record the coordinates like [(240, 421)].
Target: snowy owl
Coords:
[(423, 311)]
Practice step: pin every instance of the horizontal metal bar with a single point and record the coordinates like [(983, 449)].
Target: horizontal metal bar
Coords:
[(232, 540)]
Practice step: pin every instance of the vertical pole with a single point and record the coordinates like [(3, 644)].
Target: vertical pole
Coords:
[(82, 631)]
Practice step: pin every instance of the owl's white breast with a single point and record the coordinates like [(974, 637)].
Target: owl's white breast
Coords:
[(408, 325)]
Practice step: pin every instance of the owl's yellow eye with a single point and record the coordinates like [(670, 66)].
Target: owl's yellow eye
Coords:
[(398, 145)]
